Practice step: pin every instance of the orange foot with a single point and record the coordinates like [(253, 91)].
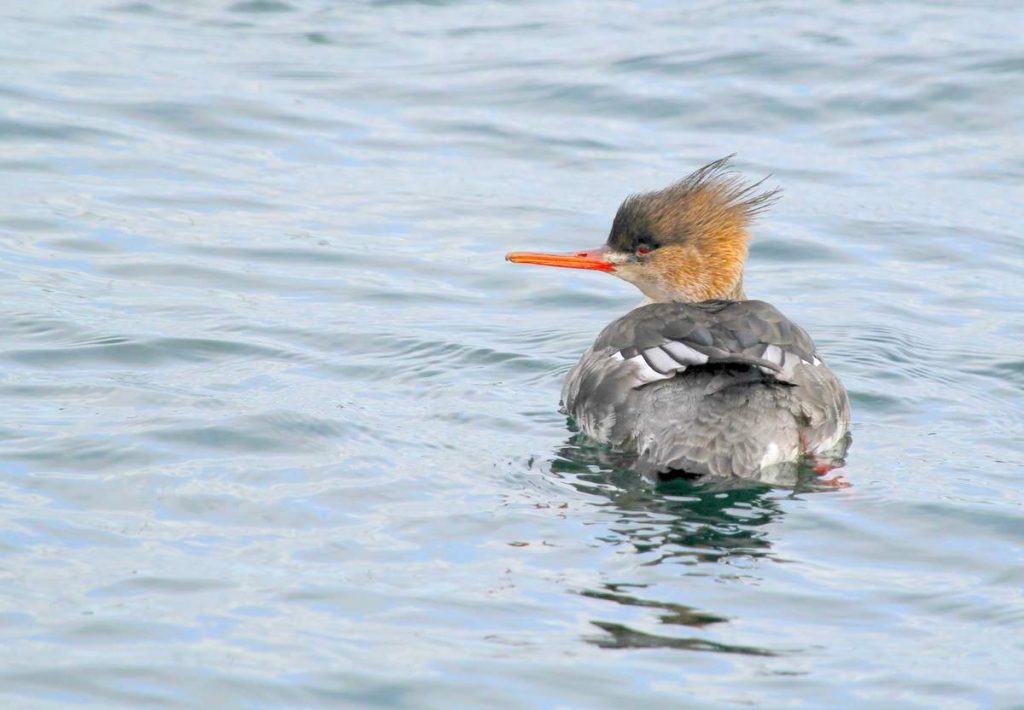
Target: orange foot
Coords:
[(822, 466)]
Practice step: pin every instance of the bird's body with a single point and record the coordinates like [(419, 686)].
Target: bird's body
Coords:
[(700, 381), (730, 388)]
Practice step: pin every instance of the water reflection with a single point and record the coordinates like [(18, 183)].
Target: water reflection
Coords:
[(622, 636), (687, 521), (682, 521)]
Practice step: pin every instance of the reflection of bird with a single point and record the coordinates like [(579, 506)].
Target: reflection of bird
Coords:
[(699, 379), (704, 523), (708, 520)]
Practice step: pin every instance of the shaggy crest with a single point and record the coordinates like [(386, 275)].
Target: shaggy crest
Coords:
[(712, 202)]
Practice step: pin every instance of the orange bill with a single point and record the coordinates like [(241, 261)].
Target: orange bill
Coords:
[(595, 259)]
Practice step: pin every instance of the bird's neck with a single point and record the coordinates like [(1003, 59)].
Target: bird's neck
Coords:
[(735, 293)]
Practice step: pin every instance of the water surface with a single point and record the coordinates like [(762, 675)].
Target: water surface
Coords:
[(280, 427)]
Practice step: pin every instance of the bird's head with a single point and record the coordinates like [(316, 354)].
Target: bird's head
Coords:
[(686, 242)]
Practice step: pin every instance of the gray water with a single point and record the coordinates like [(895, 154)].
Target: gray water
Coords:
[(280, 427)]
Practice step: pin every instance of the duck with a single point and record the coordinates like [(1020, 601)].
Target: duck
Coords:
[(699, 380)]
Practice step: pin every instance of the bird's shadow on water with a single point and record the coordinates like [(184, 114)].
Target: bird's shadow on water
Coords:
[(690, 522)]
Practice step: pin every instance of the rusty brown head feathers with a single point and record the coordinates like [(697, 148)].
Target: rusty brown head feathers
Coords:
[(688, 241)]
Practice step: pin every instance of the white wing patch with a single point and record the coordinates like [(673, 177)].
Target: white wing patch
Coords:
[(672, 357), (683, 353), (640, 370), (786, 360), (661, 362)]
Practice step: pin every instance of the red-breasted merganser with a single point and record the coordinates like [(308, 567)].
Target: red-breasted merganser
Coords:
[(698, 379)]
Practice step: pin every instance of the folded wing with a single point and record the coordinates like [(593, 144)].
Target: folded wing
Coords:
[(662, 340)]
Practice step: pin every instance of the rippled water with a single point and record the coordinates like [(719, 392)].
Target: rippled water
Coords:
[(279, 426)]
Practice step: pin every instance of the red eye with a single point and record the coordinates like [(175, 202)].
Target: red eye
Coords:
[(642, 251)]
